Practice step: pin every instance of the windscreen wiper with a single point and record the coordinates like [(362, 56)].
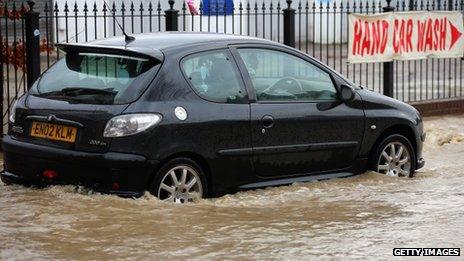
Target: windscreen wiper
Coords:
[(49, 94), (76, 91)]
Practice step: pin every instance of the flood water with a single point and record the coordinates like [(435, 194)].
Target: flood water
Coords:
[(363, 216)]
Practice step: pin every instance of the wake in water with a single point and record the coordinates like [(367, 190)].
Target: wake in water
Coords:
[(444, 130)]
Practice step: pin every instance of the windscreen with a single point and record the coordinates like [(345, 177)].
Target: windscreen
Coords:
[(96, 78)]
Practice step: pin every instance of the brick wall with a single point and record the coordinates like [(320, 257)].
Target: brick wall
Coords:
[(440, 107)]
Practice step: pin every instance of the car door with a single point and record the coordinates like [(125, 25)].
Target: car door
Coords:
[(220, 128), (298, 123)]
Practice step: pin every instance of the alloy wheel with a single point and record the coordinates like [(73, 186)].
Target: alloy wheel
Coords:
[(395, 160), (180, 184)]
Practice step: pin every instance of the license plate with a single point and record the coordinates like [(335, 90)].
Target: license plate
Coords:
[(53, 132)]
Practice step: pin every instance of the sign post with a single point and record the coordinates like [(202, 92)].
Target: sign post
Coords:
[(289, 25), (172, 17), (388, 66), (32, 45)]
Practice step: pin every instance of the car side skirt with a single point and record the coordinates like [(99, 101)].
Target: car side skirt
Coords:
[(287, 181)]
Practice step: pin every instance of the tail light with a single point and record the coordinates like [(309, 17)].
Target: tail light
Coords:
[(50, 174)]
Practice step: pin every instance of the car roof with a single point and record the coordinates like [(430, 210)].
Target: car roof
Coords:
[(168, 40), (152, 44)]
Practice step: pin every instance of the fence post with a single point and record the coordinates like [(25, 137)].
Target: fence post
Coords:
[(2, 75), (388, 70), (32, 44), (289, 25), (450, 5), (411, 5), (172, 17)]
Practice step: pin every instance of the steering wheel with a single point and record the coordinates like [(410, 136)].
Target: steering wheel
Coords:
[(287, 84)]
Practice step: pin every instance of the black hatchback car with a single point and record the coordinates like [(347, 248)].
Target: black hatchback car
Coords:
[(191, 115)]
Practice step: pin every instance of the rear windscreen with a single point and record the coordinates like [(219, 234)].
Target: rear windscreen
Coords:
[(96, 78)]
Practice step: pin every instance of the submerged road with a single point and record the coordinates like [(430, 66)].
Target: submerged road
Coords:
[(365, 216)]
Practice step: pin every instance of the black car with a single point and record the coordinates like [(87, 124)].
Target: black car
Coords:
[(189, 115)]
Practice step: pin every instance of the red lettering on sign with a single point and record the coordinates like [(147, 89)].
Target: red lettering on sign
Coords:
[(396, 43), (366, 44), (356, 37), (420, 35), (369, 38), (436, 29), (402, 36), (384, 37), (432, 35), (409, 35), (376, 37), (429, 35), (443, 24)]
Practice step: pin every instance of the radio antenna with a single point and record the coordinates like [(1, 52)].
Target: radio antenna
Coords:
[(127, 38)]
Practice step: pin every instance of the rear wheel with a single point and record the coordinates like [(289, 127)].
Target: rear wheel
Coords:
[(394, 156), (5, 181), (180, 180)]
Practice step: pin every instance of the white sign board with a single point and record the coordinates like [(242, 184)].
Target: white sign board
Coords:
[(405, 36)]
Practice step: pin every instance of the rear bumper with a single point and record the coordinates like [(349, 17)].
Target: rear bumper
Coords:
[(117, 173)]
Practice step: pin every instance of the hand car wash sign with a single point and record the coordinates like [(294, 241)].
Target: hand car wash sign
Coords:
[(405, 36)]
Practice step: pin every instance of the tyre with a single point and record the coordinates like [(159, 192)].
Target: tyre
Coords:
[(5, 181), (394, 156), (180, 180)]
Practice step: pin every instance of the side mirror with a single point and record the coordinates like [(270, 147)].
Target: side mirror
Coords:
[(346, 93)]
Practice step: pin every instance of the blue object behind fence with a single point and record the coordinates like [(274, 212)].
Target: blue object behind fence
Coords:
[(217, 7)]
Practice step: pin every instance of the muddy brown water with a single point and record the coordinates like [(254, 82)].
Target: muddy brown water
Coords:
[(365, 216)]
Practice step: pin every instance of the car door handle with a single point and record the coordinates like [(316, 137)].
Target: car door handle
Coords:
[(267, 121)]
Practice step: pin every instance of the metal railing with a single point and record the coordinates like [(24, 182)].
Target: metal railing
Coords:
[(317, 27)]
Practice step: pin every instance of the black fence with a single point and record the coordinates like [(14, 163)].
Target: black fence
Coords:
[(317, 27)]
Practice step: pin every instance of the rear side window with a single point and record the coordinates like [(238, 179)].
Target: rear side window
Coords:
[(214, 77)]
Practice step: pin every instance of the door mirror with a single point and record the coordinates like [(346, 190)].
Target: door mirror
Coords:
[(346, 93)]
